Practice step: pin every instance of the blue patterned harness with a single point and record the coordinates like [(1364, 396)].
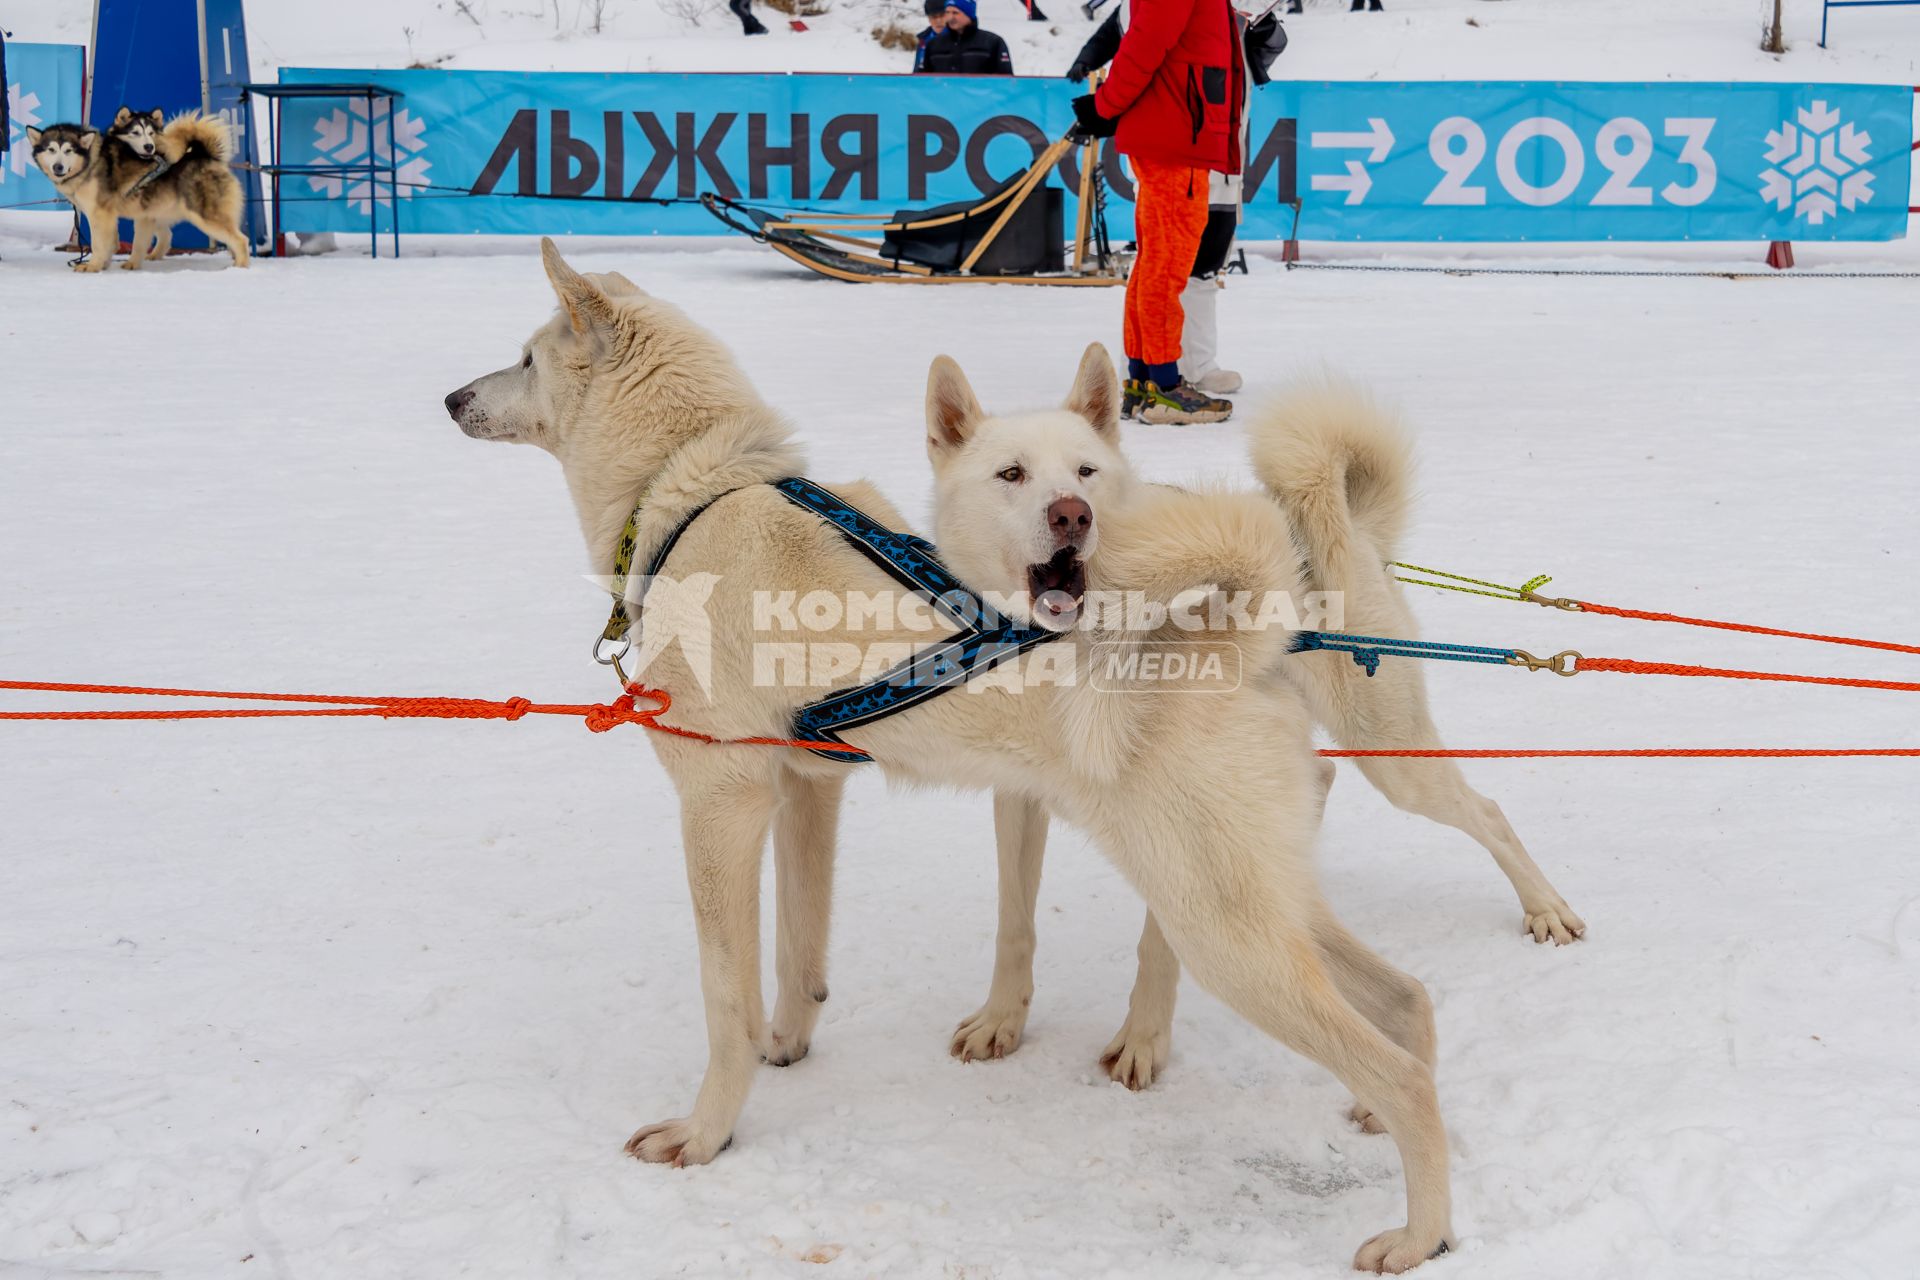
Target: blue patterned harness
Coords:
[(984, 640)]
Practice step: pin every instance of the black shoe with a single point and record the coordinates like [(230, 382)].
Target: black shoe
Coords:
[(1181, 406), (1133, 398)]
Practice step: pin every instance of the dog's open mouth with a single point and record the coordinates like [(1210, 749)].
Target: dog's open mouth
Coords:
[(1057, 586)]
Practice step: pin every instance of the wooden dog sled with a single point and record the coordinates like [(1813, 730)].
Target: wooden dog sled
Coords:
[(1011, 236)]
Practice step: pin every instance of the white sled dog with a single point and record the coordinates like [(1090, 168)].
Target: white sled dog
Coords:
[(645, 410), (1339, 469)]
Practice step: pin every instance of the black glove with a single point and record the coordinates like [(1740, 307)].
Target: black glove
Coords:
[(1079, 71), (1089, 121), (1265, 41)]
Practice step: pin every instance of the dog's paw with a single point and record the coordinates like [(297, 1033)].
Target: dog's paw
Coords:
[(1392, 1252), (788, 1037), (784, 1047), (1555, 923), (783, 1051), (90, 267), (1368, 1122), (1137, 1056), (129, 265), (676, 1142), (991, 1031)]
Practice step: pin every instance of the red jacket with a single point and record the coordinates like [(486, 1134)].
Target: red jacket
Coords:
[(1178, 85)]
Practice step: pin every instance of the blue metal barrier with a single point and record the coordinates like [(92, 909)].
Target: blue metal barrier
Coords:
[(1826, 5)]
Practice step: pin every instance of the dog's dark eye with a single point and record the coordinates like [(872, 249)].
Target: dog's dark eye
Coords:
[(1086, 471), (1014, 474), (526, 361)]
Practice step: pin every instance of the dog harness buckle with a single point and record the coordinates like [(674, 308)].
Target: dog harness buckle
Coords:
[(1564, 663)]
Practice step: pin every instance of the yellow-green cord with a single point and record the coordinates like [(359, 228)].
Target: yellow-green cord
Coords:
[(1498, 591)]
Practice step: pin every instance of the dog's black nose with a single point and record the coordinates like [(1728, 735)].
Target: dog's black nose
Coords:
[(458, 400), (1069, 519)]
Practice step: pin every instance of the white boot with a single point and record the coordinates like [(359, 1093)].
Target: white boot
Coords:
[(1200, 340)]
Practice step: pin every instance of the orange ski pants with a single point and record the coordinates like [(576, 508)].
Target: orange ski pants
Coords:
[(1169, 215)]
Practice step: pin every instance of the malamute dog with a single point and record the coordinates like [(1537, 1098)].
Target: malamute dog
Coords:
[(156, 174), (1339, 470), (1212, 821)]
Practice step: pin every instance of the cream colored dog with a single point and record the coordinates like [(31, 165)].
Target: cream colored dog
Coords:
[(643, 408), (1340, 471)]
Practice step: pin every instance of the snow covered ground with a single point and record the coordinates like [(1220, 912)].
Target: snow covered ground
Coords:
[(344, 998), (351, 998)]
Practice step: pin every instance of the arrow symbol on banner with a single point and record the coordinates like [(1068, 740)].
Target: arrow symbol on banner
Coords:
[(1378, 139), (1355, 182)]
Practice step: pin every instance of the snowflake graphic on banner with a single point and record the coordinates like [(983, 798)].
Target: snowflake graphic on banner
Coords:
[(23, 109), (1819, 163), (349, 135)]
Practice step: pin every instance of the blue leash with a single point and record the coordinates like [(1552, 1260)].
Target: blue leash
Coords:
[(1368, 650)]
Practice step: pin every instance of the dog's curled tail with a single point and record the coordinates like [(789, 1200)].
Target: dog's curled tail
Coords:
[(1343, 469), (191, 129)]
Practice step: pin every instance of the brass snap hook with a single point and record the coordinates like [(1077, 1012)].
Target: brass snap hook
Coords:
[(1529, 591), (606, 659), (1564, 663), (611, 658)]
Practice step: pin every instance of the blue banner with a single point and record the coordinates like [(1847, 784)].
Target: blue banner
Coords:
[(566, 152), (44, 86)]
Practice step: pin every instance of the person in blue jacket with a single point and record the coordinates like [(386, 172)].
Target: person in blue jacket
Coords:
[(936, 11)]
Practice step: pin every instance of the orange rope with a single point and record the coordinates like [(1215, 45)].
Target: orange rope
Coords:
[(599, 717), (1620, 753), (1629, 666), (1587, 606)]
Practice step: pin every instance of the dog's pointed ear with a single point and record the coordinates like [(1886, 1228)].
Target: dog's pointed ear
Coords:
[(90, 139), (157, 115), (952, 410), (588, 306), (33, 136), (616, 285), (121, 116), (1096, 392)]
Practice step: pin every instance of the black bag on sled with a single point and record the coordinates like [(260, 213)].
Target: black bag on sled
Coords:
[(1032, 241)]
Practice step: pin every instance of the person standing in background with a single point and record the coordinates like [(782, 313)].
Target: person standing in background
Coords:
[(936, 11), (1175, 103), (1261, 42), (749, 25), (965, 48)]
